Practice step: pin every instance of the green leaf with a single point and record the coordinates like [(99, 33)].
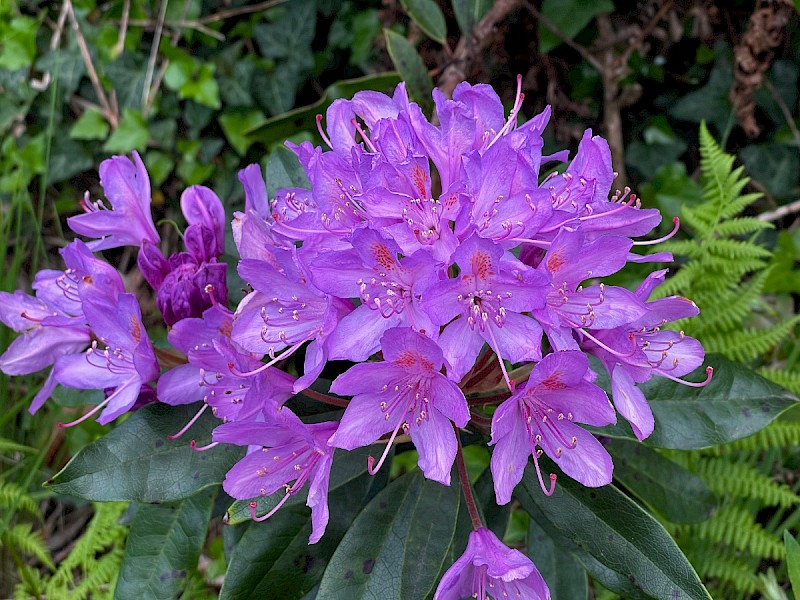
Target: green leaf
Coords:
[(620, 544), (411, 68), (236, 124), (284, 170), (131, 134), (737, 403), (18, 43), (276, 129), (92, 125), (202, 87), (135, 462), (562, 572), (776, 166), (428, 16), (670, 189), (163, 547), (159, 166), (569, 17), (711, 102), (274, 560), (469, 12), (495, 516), (346, 468), (398, 544), (792, 561), (677, 494)]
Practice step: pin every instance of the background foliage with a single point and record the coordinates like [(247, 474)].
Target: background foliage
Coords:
[(204, 87)]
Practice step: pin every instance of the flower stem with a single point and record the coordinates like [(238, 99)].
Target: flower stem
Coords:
[(463, 477), (320, 397)]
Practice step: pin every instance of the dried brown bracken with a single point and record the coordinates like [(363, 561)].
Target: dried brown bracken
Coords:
[(753, 56)]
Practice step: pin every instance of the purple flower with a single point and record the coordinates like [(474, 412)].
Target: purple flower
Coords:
[(189, 282), (201, 206), (542, 415), (487, 300), (47, 335), (489, 569), (389, 289), (292, 454), (406, 391), (128, 222), (635, 352), (126, 363)]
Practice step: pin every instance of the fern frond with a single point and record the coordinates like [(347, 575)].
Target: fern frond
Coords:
[(788, 379), (712, 562), (735, 527), (741, 480), (778, 435), (738, 303), (23, 539), (748, 344), (13, 495), (742, 226)]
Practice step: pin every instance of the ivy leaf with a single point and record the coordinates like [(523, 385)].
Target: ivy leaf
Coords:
[(469, 12), (398, 544), (92, 125), (132, 134), (274, 560), (18, 42), (562, 572), (620, 544), (235, 125), (569, 17), (737, 403), (411, 68), (284, 171), (677, 494), (163, 546), (135, 462), (428, 16), (202, 87)]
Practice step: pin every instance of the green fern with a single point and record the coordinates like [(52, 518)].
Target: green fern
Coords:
[(92, 567), (724, 273), (13, 495)]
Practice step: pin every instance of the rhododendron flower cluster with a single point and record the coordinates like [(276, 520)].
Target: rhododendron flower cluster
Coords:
[(448, 259)]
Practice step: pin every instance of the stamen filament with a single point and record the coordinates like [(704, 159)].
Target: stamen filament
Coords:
[(371, 460), (709, 377), (675, 229), (95, 410), (232, 368), (253, 506), (191, 422)]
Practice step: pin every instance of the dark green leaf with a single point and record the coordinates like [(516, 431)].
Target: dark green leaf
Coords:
[(284, 170), (737, 403), (776, 166), (495, 516), (411, 68), (18, 42), (135, 462), (428, 16), (569, 17), (347, 467), (711, 102), (792, 561), (564, 575), (163, 546), (670, 189), (274, 560), (620, 544), (469, 12), (67, 159), (677, 494), (279, 128), (398, 544)]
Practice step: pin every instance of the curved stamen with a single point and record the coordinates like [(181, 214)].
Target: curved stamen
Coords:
[(675, 229), (253, 506), (541, 243), (553, 476), (366, 139), (371, 460), (324, 137), (191, 422), (86, 416), (608, 348), (709, 377), (232, 367), (512, 117), (509, 382), (193, 445)]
